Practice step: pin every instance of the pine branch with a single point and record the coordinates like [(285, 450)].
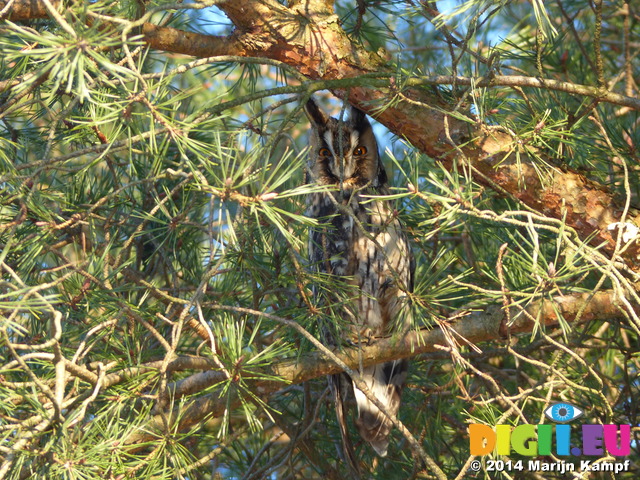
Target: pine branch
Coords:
[(309, 38), (466, 327), (190, 43)]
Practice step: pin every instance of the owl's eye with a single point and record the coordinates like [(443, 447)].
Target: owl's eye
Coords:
[(360, 150), (324, 152)]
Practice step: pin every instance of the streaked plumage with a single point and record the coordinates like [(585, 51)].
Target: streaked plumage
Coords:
[(362, 240)]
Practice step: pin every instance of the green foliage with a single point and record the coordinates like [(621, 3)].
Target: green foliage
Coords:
[(153, 240)]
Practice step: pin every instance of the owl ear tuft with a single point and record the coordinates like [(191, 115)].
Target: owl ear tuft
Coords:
[(315, 115), (358, 118)]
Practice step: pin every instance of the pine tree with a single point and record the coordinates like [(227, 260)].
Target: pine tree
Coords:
[(157, 315)]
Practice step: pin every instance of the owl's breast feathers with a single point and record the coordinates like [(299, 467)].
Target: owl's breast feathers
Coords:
[(365, 243)]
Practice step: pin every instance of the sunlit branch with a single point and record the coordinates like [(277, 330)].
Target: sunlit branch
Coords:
[(270, 30), (471, 327)]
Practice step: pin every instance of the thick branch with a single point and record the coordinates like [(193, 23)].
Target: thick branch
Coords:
[(189, 43), (308, 37), (474, 327), (20, 10)]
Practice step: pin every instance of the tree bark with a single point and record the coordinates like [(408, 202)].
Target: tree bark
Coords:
[(308, 37)]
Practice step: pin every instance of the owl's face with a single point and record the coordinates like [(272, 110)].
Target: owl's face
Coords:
[(343, 152)]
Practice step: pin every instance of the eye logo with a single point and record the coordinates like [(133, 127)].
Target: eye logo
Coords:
[(562, 412), (531, 440)]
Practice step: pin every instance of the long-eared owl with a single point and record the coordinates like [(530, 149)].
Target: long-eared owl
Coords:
[(360, 238)]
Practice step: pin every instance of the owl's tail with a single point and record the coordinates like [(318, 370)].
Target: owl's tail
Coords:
[(385, 381)]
